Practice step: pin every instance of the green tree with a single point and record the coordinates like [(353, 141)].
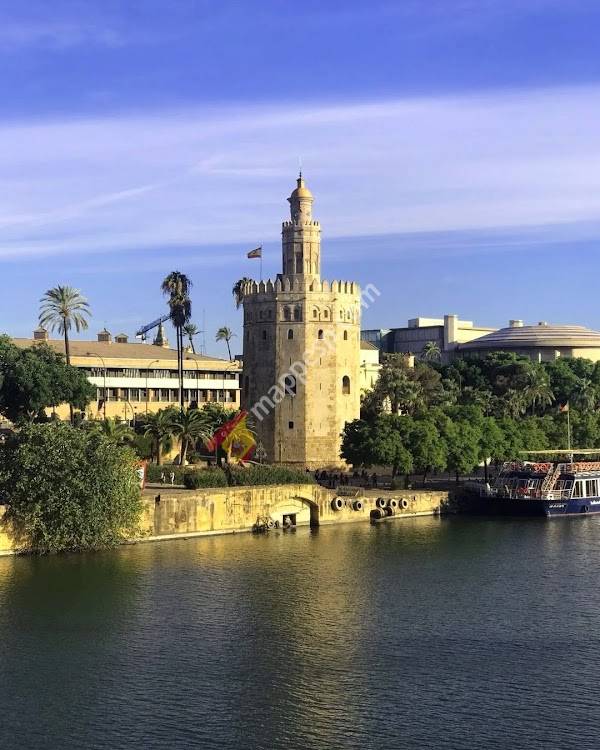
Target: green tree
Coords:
[(238, 290), (177, 287), (37, 377), (396, 387), (159, 426), (536, 389), (67, 489), (225, 334), (378, 442), (189, 426), (427, 447)]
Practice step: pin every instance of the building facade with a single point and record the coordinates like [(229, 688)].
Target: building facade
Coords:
[(448, 333), (133, 379), (301, 357), (543, 342)]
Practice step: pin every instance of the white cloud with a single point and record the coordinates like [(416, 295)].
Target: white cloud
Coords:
[(222, 175)]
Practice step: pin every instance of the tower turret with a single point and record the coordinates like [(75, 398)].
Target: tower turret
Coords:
[(301, 237)]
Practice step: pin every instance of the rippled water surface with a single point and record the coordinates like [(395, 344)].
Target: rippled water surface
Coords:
[(424, 633)]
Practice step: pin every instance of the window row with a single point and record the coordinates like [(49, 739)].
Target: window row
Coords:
[(167, 395), (111, 372), (290, 386)]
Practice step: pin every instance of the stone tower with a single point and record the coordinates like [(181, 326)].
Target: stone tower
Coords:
[(301, 349)]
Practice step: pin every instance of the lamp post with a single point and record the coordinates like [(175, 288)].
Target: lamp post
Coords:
[(147, 374), (195, 361), (105, 395), (232, 367)]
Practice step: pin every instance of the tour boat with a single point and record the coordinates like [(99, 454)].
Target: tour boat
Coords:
[(542, 488)]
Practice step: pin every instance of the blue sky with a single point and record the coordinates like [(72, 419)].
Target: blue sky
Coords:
[(452, 147)]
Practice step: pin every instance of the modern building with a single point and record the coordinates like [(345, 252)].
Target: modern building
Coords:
[(302, 355), (447, 333), (133, 379), (543, 342)]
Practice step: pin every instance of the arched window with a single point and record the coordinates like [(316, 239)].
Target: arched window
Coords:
[(299, 268), (290, 333), (315, 313), (269, 314), (326, 314), (298, 313), (291, 386), (264, 335), (341, 315), (260, 314), (320, 334), (287, 313), (345, 335), (345, 384)]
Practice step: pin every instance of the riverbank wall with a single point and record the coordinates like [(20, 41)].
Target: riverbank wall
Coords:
[(172, 513)]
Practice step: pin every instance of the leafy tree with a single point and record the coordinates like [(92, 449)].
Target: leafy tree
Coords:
[(428, 449), (225, 334), (396, 386), (463, 439), (67, 489), (492, 443), (36, 378), (379, 441), (536, 389)]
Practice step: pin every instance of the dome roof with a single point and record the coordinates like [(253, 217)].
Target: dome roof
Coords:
[(301, 191), (540, 335)]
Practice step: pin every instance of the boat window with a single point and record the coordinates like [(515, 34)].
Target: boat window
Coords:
[(591, 488), (578, 489)]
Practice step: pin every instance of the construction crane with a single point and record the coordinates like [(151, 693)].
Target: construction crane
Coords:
[(141, 334)]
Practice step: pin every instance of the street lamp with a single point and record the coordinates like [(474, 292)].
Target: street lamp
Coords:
[(147, 374), (90, 354), (195, 361)]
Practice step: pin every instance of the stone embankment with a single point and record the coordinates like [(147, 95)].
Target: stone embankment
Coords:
[(171, 513)]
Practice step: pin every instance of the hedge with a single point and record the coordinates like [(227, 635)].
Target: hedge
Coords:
[(229, 476)]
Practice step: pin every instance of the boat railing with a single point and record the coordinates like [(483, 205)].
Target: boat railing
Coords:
[(559, 494)]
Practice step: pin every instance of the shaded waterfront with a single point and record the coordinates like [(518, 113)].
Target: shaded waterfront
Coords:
[(452, 633)]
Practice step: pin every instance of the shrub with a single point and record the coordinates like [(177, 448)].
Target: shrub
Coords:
[(192, 480), (261, 474), (67, 489), (155, 473)]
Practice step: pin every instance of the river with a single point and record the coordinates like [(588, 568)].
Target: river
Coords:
[(455, 633)]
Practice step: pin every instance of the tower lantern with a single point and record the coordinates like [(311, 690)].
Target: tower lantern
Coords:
[(301, 236)]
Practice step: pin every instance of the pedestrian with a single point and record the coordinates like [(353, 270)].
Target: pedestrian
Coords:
[(162, 477), (172, 476), (374, 479)]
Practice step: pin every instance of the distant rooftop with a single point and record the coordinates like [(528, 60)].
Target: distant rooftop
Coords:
[(517, 335)]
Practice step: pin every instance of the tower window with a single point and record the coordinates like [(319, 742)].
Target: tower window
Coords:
[(298, 313), (346, 385), (320, 334), (290, 386), (291, 425), (264, 335), (345, 335), (298, 264), (287, 313), (315, 313), (290, 333), (326, 314), (269, 314)]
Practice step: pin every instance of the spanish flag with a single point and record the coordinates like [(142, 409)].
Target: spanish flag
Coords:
[(563, 408), (240, 443), (222, 433), (256, 253)]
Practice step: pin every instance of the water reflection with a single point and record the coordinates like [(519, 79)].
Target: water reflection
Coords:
[(422, 633)]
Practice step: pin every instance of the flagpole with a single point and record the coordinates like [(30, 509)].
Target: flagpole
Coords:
[(569, 432)]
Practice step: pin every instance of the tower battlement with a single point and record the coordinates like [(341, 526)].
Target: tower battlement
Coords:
[(295, 284)]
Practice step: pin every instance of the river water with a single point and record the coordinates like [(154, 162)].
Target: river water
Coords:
[(422, 633)]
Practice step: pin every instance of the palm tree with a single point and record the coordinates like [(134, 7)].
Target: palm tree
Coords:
[(117, 432), (189, 426), (159, 426), (585, 396), (191, 330), (537, 391), (238, 290), (61, 309), (177, 286), (225, 334), (431, 352)]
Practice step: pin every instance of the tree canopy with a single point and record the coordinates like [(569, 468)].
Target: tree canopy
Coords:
[(36, 378)]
